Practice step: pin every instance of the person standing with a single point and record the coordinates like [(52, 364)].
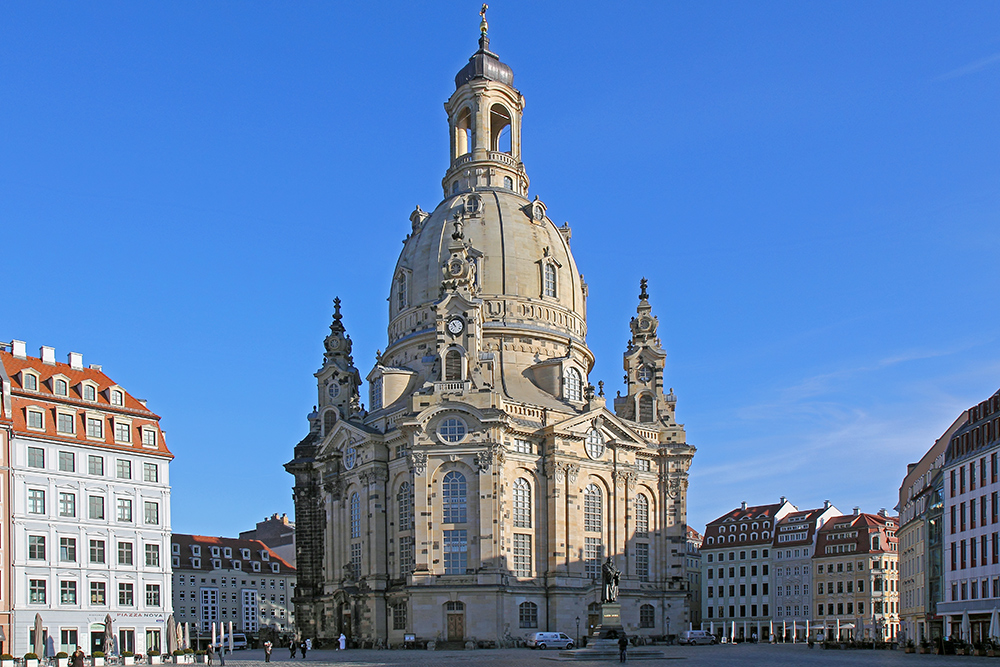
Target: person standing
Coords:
[(341, 642), (291, 649), (309, 644), (78, 656), (622, 648), (302, 649), (267, 650), (210, 653)]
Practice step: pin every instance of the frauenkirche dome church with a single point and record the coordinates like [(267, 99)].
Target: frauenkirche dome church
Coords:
[(479, 494)]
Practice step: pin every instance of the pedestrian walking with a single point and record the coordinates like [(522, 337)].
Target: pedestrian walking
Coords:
[(291, 649), (622, 648), (78, 656), (210, 653), (267, 650), (302, 650), (341, 642)]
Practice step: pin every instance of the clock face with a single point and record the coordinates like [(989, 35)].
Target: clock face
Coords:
[(645, 374), (333, 390), (456, 325), (645, 323), (350, 457)]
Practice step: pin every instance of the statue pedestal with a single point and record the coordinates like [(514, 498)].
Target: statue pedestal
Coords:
[(603, 642), (611, 621)]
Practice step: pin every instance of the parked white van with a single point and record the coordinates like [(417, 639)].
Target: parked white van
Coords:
[(546, 639), (695, 637)]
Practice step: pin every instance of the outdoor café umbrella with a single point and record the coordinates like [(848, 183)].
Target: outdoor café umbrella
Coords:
[(179, 632), (109, 635), (39, 647), (213, 633), (995, 625), (187, 635), (838, 630), (230, 636), (171, 634), (966, 632)]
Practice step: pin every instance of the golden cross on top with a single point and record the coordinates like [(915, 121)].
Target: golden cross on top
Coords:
[(483, 26)]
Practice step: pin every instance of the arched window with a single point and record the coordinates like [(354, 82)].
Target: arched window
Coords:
[(641, 515), (572, 385), (550, 280), (500, 130), (508, 182), (329, 421), (647, 616), (355, 515), (528, 614), (645, 408), (711, 540), (463, 132), (522, 503), (404, 500), (452, 365), (401, 291), (593, 509), (61, 388), (453, 498), (594, 444)]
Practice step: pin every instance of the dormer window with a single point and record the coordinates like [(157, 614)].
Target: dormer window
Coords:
[(29, 381), (89, 392), (60, 387), (264, 555), (256, 566), (148, 436), (550, 280), (245, 554), (237, 565), (117, 397), (175, 548), (401, 291), (196, 563), (216, 564), (275, 568), (195, 550), (227, 553), (572, 385), (36, 419), (215, 552), (375, 392)]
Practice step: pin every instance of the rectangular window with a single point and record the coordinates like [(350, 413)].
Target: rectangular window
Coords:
[(67, 549), (148, 437), (95, 429), (126, 595), (125, 553), (123, 432), (642, 561), (36, 591), (95, 465), (36, 547), (124, 469), (522, 555), (150, 472), (406, 562), (592, 555), (355, 561), (455, 552), (67, 592), (67, 462), (97, 551), (69, 638), (36, 457), (36, 501), (152, 595), (399, 616), (67, 504), (96, 504), (152, 512), (124, 509), (64, 423), (152, 555), (35, 419)]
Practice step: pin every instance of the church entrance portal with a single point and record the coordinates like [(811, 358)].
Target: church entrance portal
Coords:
[(456, 621)]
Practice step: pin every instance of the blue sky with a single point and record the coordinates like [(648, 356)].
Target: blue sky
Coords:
[(813, 191)]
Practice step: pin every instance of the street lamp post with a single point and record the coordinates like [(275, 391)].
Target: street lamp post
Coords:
[(577, 631)]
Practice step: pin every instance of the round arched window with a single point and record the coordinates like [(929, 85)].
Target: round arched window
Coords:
[(452, 429), (594, 444), (350, 457)]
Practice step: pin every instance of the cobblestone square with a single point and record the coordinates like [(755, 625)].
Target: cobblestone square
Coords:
[(717, 656)]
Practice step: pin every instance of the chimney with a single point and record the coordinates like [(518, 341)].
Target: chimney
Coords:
[(882, 512), (743, 505), (19, 349), (48, 355), (96, 367), (857, 511), (826, 504), (76, 361), (782, 500)]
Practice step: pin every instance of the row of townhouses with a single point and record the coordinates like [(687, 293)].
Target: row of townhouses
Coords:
[(800, 574), (950, 530), (85, 482)]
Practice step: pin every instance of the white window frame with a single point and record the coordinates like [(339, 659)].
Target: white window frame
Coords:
[(149, 432), (93, 416), (24, 375), (83, 390), (127, 424), (27, 420), (56, 379), (72, 422), (115, 391)]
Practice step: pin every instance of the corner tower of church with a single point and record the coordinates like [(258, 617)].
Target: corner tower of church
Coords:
[(486, 481)]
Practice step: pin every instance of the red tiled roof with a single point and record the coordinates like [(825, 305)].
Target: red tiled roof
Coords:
[(45, 399), (206, 542)]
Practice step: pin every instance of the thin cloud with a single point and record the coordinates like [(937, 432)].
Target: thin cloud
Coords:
[(971, 68)]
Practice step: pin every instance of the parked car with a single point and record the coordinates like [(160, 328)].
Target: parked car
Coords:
[(691, 637), (547, 639)]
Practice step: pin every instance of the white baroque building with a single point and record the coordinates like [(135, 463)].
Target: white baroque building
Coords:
[(90, 506), (479, 493)]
